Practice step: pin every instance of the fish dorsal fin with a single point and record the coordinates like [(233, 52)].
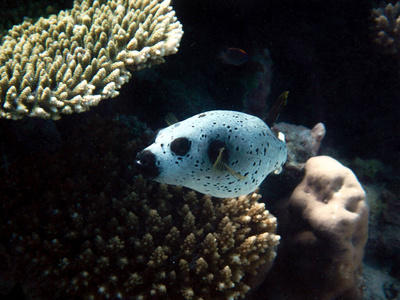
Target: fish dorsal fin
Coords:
[(220, 165), (276, 109), (171, 119)]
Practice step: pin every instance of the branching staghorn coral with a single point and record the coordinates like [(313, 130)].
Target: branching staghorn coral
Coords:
[(70, 61), (74, 224), (387, 28)]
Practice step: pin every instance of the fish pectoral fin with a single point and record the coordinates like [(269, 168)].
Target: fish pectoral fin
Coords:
[(235, 174), (220, 165), (171, 119)]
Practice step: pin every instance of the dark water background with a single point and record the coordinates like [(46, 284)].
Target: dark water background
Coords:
[(322, 52)]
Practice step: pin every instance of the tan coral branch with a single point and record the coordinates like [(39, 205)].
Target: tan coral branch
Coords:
[(71, 61)]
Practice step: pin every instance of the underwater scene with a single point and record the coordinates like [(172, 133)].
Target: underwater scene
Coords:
[(200, 149)]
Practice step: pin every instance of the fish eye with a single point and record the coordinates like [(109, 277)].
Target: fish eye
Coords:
[(180, 146)]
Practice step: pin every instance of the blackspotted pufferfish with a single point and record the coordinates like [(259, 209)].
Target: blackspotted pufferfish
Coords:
[(221, 153)]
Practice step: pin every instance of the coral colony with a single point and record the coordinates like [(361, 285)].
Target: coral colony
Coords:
[(70, 61)]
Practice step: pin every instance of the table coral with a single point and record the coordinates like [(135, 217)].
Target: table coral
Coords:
[(70, 61), (75, 224)]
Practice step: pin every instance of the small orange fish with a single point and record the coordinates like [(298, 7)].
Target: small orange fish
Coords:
[(233, 56)]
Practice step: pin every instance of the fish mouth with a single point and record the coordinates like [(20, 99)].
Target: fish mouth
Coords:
[(146, 163)]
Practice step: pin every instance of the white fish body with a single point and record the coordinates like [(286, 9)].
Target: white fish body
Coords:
[(185, 153)]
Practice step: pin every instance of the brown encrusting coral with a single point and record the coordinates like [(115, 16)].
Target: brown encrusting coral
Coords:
[(75, 224)]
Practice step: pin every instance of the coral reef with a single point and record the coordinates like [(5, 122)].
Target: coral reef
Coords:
[(386, 27), (379, 285), (383, 245), (70, 61), (324, 228), (367, 170), (76, 223), (18, 11), (302, 144)]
